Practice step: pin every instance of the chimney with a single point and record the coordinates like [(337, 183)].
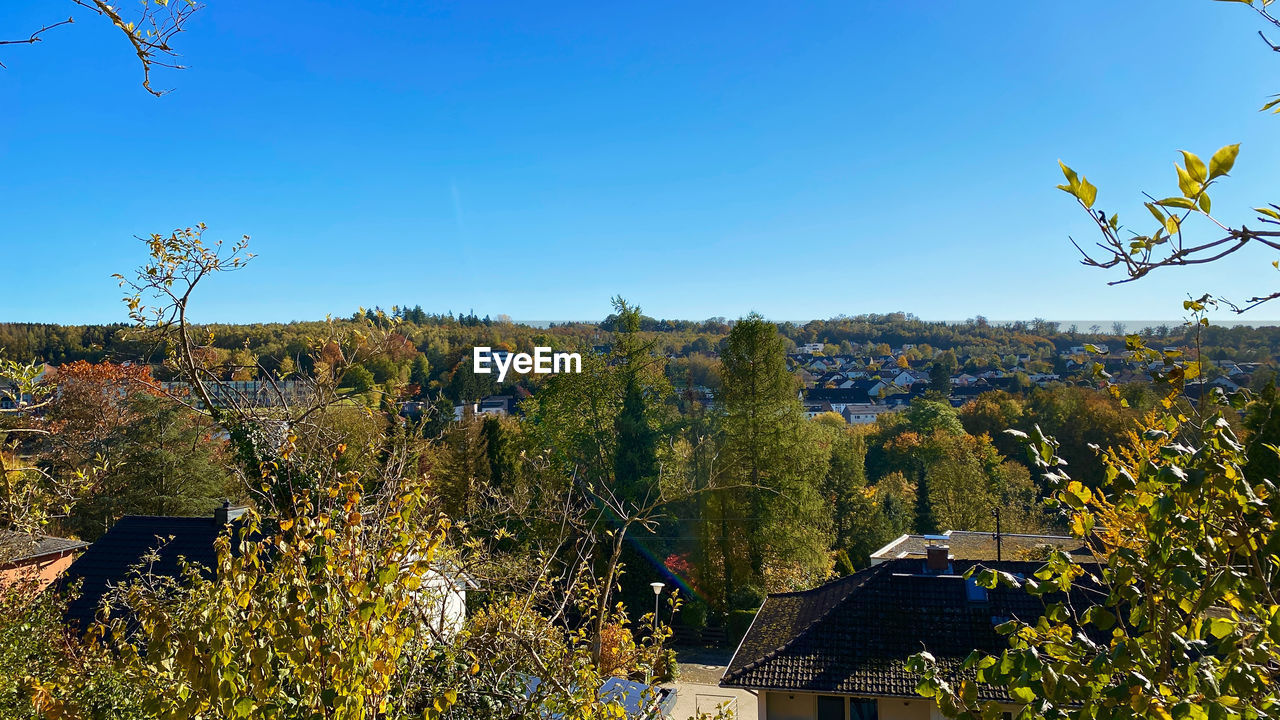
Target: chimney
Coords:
[(225, 514), (937, 558)]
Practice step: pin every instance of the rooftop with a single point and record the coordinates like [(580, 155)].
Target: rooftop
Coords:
[(18, 547), (969, 545), (108, 561), (852, 636)]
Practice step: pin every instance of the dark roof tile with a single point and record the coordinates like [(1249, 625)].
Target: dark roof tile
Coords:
[(108, 561), (852, 636)]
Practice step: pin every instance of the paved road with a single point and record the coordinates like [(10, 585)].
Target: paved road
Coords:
[(698, 689)]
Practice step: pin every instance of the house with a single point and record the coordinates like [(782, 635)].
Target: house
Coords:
[(1224, 383), (110, 561), (863, 413), (814, 409), (248, 393), (811, 348), (971, 545), (496, 405), (40, 558), (838, 652)]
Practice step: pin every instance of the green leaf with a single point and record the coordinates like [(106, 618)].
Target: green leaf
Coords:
[(1022, 694), (1204, 203), (1072, 178), (1223, 160), (1195, 166), (1101, 618), (1221, 627), (1186, 183), (1087, 193), (1177, 202)]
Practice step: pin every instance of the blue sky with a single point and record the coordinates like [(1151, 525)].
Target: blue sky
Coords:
[(801, 160)]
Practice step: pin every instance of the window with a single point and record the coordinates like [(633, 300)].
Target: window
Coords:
[(863, 709), (830, 708)]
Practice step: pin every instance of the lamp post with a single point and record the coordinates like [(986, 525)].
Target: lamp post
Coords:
[(657, 592)]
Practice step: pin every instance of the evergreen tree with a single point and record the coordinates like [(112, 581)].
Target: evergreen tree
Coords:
[(420, 373), (768, 447), (944, 366), (499, 451), (167, 462), (1262, 420), (636, 456)]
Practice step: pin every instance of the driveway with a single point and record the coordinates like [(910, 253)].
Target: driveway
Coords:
[(698, 690)]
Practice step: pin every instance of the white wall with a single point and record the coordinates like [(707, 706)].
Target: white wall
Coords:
[(804, 706)]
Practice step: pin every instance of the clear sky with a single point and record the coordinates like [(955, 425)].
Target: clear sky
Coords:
[(799, 159)]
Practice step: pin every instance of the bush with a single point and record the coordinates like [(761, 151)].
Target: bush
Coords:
[(666, 669), (693, 615), (738, 623), (747, 597)]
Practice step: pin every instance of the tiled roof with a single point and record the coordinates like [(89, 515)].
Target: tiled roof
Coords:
[(968, 545), (853, 636), (19, 547), (108, 560)]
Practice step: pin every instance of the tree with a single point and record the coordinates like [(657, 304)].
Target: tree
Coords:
[(1182, 619), (1262, 420), (314, 608), (992, 414), (940, 372), (420, 373), (308, 620), (500, 451), (92, 402), (768, 448), (165, 462), (150, 31), (359, 379), (858, 524)]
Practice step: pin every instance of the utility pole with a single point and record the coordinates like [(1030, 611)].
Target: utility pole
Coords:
[(997, 534)]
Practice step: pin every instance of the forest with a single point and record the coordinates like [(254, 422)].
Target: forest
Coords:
[(376, 542)]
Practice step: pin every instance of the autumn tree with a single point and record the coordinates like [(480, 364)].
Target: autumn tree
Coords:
[(1183, 618)]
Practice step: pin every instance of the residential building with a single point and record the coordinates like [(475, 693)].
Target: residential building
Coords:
[(863, 413), (838, 652), (40, 558), (110, 560), (971, 545), (814, 409), (248, 393)]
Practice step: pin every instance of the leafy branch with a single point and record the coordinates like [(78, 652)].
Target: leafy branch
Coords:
[(1168, 245), (150, 33)]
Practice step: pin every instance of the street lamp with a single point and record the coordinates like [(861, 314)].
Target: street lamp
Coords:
[(657, 592)]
